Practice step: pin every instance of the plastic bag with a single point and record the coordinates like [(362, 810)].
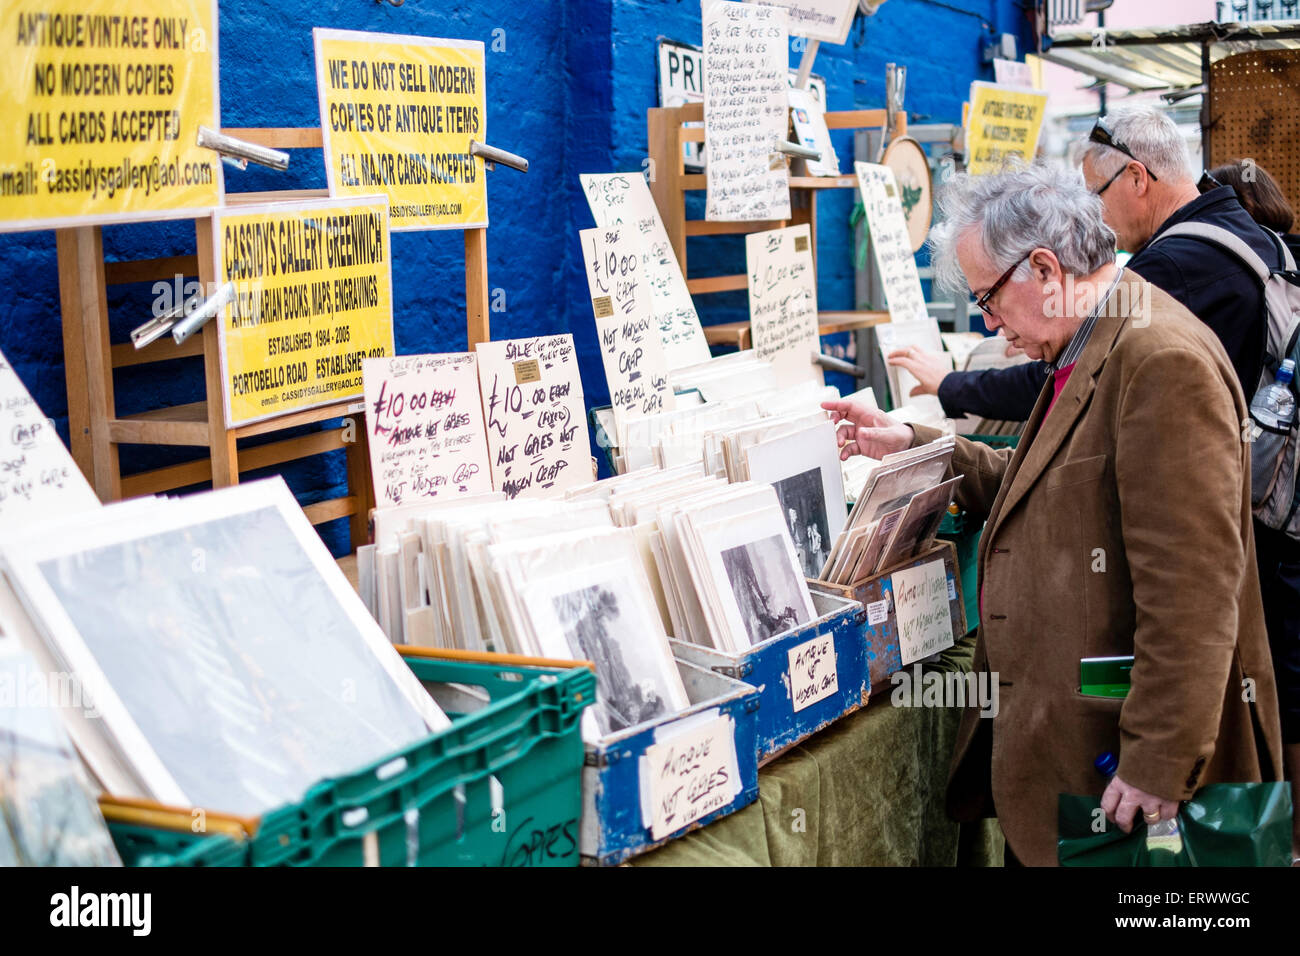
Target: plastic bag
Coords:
[(1224, 824)]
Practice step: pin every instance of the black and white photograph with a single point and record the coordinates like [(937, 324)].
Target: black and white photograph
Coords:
[(803, 503), (765, 587)]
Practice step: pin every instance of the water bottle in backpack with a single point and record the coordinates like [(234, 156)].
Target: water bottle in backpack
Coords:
[(1273, 409)]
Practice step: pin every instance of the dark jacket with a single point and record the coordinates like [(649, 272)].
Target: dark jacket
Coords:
[(1210, 282)]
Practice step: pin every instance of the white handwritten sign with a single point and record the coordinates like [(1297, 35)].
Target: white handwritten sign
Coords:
[(630, 348), (827, 20), (532, 401), (891, 242), (921, 605), (783, 302), (813, 675), (745, 64), (690, 775), (37, 475), (425, 423), (624, 198)]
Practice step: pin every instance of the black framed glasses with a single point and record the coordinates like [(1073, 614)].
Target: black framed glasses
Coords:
[(1101, 133), (983, 301)]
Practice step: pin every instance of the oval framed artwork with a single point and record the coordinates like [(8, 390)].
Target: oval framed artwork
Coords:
[(912, 170)]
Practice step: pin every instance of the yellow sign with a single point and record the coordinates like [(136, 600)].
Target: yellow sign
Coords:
[(397, 114), (313, 298), (1003, 121), (102, 105)]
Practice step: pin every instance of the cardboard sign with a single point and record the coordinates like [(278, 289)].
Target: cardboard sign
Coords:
[(624, 198), (537, 442), (37, 475), (630, 349), (313, 300), (891, 242), (1003, 121), (102, 105), (812, 675), (921, 607), (827, 20), (783, 302), (688, 775), (426, 432), (397, 114), (745, 63)]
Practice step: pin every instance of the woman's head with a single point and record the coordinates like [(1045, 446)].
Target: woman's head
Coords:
[(1258, 192)]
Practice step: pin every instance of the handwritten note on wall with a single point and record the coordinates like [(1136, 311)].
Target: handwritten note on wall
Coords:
[(921, 605), (624, 198), (783, 302), (745, 64), (37, 475), (813, 675), (533, 406), (891, 242), (688, 775), (426, 427), (630, 349)]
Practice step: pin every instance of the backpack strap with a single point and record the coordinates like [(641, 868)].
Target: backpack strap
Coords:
[(1228, 241)]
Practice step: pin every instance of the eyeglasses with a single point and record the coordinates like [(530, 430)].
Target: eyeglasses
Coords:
[(1207, 182), (1101, 133), (983, 301)]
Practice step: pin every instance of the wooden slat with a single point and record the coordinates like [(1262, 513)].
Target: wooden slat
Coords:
[(728, 333), (274, 195), (691, 113), (693, 182), (856, 119), (666, 175), (74, 351), (166, 479), (304, 417), (823, 182), (702, 227), (283, 137), (691, 134), (178, 425), (99, 360), (143, 270), (828, 323), (477, 326), (360, 483), (324, 511), (165, 348), (717, 284)]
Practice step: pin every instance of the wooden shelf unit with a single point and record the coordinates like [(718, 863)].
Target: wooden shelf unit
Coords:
[(97, 429)]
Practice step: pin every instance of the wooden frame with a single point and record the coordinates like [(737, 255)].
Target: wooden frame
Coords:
[(95, 426), (669, 184)]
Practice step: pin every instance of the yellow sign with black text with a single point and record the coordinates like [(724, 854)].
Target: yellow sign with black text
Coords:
[(313, 299), (1003, 121), (102, 105), (397, 114)]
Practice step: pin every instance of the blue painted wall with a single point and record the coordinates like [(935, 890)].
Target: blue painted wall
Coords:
[(569, 82)]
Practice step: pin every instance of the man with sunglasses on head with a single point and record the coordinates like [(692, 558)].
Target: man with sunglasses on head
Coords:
[(1137, 162)]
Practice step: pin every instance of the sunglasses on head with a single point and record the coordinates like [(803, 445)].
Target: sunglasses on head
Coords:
[(1101, 133), (1207, 182)]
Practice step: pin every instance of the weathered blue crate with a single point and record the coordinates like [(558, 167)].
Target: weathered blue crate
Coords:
[(613, 790), (768, 667), (883, 656)]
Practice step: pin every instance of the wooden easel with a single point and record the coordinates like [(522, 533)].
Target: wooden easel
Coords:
[(96, 428), (670, 183)]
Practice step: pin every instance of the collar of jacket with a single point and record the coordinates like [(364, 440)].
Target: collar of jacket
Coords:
[(1044, 433), (1196, 209)]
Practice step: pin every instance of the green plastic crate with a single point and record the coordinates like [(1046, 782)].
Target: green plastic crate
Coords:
[(501, 786)]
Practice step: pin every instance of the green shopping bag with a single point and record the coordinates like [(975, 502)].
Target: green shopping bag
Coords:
[(1224, 824)]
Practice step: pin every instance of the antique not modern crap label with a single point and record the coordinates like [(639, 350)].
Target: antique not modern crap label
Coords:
[(690, 775), (812, 673), (921, 606)]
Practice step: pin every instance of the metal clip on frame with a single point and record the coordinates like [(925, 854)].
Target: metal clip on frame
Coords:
[(839, 365), (797, 150), (187, 326), (160, 325), (491, 156), (242, 151)]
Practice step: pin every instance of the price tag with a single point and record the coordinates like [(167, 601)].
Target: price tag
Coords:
[(878, 612), (690, 774), (812, 675), (952, 589)]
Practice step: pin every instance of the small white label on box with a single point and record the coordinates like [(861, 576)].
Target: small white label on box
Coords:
[(691, 775), (878, 612), (812, 672), (952, 589)]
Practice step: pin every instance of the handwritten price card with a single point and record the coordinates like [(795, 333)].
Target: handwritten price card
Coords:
[(921, 606), (427, 438), (813, 675), (745, 66), (891, 241), (630, 349), (688, 775), (532, 402), (37, 475), (624, 199), (783, 302)]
